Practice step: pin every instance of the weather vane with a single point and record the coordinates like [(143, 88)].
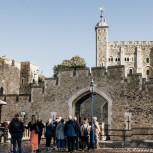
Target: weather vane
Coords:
[(101, 11)]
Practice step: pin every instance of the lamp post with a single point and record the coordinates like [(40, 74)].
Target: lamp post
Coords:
[(92, 141)]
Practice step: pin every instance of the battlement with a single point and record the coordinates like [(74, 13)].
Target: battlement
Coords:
[(129, 43), (10, 62), (16, 98), (77, 72)]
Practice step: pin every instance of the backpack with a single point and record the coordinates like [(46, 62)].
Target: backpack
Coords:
[(85, 131)]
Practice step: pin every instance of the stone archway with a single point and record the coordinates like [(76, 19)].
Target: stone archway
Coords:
[(85, 91)]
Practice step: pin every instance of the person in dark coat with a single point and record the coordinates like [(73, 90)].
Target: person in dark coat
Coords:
[(49, 133), (70, 133), (41, 126), (77, 133), (16, 130)]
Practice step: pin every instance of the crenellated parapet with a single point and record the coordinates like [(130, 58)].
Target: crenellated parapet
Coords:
[(15, 98), (49, 82), (76, 72), (98, 71), (131, 43), (116, 72)]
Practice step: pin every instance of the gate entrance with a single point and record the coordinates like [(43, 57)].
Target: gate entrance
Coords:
[(83, 108), (80, 105)]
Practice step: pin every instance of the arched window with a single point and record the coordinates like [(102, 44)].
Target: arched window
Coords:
[(109, 59), (118, 59), (112, 59), (22, 81), (130, 71), (127, 59), (147, 60), (1, 91), (147, 72)]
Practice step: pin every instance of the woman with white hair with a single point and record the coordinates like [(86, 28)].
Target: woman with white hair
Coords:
[(60, 135), (49, 133), (97, 131)]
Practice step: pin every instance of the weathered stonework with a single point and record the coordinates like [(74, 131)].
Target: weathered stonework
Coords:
[(136, 56), (115, 95), (122, 100)]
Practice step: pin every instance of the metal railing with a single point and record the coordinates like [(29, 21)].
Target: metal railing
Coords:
[(26, 135)]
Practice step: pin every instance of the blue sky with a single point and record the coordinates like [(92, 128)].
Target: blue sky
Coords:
[(46, 32)]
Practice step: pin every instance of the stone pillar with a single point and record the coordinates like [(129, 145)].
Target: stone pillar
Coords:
[(139, 60), (122, 56), (102, 131)]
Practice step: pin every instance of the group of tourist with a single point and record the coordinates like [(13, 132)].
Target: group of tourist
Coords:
[(67, 135)]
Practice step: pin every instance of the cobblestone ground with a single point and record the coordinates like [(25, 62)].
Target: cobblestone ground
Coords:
[(5, 148)]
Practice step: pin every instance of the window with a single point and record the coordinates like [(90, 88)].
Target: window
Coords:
[(118, 59), (127, 59), (147, 72), (130, 72), (147, 60), (109, 59), (1, 91), (112, 59)]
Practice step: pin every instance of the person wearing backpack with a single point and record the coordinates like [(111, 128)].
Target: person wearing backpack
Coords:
[(85, 130), (16, 130)]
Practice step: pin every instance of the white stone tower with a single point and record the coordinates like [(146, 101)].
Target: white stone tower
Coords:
[(101, 41)]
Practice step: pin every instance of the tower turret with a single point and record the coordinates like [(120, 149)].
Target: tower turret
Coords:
[(101, 40)]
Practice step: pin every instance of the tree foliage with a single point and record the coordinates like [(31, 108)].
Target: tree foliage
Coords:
[(41, 78), (74, 62)]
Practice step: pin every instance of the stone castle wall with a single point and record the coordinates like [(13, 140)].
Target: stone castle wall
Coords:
[(131, 94), (9, 76), (134, 55)]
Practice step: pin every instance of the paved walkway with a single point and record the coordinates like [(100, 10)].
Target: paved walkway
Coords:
[(5, 148)]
